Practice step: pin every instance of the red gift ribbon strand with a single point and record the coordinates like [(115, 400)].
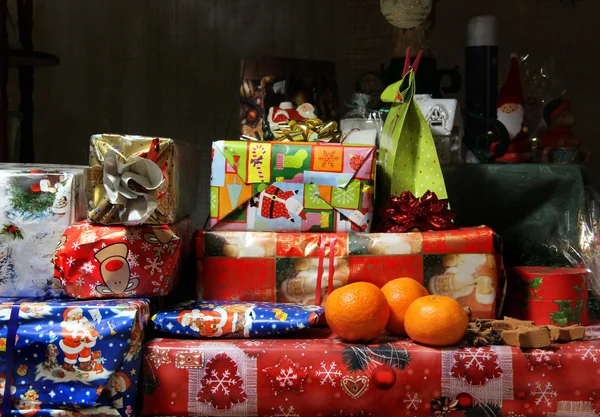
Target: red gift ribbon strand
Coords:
[(407, 212), (322, 247)]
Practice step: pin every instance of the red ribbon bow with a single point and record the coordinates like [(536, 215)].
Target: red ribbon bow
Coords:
[(407, 212)]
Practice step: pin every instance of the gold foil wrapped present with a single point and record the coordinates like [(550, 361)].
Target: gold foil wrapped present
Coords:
[(140, 180)]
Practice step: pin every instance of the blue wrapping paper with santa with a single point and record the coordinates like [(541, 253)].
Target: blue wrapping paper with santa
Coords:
[(291, 186), (235, 319), (63, 357)]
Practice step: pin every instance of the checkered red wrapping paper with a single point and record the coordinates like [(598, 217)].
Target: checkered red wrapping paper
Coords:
[(267, 266), (319, 375)]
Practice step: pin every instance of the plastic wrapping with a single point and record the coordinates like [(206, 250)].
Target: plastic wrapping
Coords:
[(361, 126)]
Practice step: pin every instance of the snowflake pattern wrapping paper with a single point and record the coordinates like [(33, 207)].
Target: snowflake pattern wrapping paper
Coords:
[(39, 202), (390, 377), (286, 186), (94, 261), (465, 264), (66, 353), (165, 198), (235, 319)]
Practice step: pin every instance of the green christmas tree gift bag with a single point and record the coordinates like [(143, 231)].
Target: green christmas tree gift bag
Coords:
[(407, 158)]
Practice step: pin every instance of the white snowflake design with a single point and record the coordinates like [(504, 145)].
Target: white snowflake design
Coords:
[(474, 357), (89, 236), (588, 352), (88, 267), (312, 194), (330, 374), (132, 259), (153, 265), (75, 246), (539, 355), (214, 200), (93, 290), (256, 343), (285, 412), (70, 260), (217, 382), (346, 195), (545, 393), (146, 246), (80, 281), (132, 235), (286, 378), (412, 401), (300, 345)]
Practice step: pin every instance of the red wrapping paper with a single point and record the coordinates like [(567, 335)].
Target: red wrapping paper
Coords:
[(265, 266), (557, 296), (94, 261), (321, 376)]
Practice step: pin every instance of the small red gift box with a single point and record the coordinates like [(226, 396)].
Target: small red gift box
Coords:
[(95, 261), (548, 295), (305, 267)]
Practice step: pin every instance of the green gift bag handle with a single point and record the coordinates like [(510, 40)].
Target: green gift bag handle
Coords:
[(407, 160)]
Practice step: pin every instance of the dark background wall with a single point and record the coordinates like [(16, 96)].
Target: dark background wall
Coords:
[(171, 67)]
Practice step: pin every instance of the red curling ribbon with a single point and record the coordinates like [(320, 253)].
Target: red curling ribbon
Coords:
[(407, 212), (322, 253)]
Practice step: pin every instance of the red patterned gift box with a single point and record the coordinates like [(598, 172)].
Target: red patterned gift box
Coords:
[(322, 376), (95, 261), (557, 296), (265, 266)]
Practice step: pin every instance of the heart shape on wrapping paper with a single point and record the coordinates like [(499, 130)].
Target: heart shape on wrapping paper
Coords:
[(355, 386)]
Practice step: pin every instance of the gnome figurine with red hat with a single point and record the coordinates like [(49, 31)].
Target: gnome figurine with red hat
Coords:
[(510, 114)]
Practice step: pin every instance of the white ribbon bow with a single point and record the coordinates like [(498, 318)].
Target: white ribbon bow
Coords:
[(137, 206)]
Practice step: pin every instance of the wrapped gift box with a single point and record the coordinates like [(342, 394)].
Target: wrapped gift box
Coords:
[(320, 375), (557, 296), (291, 186), (95, 261), (137, 179), (38, 203), (465, 264), (56, 354)]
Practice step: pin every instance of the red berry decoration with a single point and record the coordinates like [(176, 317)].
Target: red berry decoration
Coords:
[(383, 377), (464, 400)]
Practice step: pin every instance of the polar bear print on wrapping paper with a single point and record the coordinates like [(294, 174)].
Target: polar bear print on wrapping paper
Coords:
[(115, 270)]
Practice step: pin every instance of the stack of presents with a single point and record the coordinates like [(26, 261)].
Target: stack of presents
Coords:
[(96, 262)]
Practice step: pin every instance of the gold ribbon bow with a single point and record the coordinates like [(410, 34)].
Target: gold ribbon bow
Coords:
[(311, 130)]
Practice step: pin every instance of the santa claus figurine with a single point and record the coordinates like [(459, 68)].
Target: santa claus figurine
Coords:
[(286, 112), (220, 321), (78, 337), (559, 145), (510, 113)]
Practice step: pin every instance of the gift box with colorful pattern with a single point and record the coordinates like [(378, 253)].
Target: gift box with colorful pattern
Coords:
[(57, 354), (38, 203), (93, 261), (557, 296), (319, 375), (465, 264), (291, 186), (136, 180)]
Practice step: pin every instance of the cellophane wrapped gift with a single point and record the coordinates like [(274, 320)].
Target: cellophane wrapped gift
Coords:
[(71, 355), (38, 203), (465, 264), (136, 180), (319, 375), (291, 186), (94, 261)]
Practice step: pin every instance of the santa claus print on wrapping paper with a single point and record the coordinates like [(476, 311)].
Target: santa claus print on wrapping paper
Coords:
[(234, 320), (274, 203), (115, 271), (79, 336), (118, 384), (13, 389)]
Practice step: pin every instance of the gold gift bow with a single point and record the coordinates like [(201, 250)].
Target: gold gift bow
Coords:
[(310, 130)]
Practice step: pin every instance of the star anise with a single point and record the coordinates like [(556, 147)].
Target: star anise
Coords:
[(443, 406), (480, 333)]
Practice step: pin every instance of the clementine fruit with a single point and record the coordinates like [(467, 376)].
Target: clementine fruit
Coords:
[(436, 320), (357, 312), (400, 294)]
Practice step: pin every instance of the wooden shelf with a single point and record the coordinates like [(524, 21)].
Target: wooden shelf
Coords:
[(20, 58)]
